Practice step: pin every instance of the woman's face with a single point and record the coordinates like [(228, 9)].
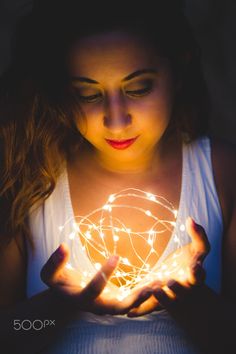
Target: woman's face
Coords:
[(126, 92)]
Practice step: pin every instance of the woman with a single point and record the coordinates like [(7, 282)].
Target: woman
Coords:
[(92, 107)]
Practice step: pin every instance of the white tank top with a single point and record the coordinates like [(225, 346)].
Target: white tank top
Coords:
[(118, 334)]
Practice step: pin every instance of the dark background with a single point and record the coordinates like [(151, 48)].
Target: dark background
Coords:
[(214, 23)]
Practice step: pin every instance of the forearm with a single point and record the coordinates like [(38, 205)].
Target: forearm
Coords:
[(208, 319), (33, 324)]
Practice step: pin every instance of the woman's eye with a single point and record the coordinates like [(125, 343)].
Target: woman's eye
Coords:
[(88, 94), (138, 92), (91, 98)]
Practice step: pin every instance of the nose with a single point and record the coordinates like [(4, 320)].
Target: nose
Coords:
[(116, 116)]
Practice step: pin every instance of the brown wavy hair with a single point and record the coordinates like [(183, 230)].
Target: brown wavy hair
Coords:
[(38, 105)]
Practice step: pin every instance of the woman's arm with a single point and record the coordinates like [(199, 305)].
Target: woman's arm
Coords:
[(17, 313), (210, 318), (224, 165), (30, 325), (207, 317)]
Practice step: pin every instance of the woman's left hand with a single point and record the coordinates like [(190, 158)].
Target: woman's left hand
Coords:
[(176, 289)]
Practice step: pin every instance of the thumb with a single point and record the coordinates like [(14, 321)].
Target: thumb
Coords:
[(55, 264), (200, 244)]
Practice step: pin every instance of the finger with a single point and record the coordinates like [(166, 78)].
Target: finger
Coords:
[(55, 263), (118, 307), (99, 281), (163, 298), (200, 243), (196, 273), (145, 308), (178, 289), (137, 298)]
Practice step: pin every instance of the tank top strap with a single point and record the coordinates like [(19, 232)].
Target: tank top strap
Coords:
[(202, 203)]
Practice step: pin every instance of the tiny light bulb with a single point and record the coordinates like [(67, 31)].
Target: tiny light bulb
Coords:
[(148, 213), (72, 235), (176, 239), (98, 266), (111, 198), (126, 261), (88, 235), (181, 272), (76, 227), (69, 266)]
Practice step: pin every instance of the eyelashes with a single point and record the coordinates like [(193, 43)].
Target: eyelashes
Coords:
[(135, 93), (139, 93), (91, 98)]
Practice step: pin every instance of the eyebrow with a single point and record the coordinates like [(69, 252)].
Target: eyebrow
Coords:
[(84, 79), (127, 78), (138, 73)]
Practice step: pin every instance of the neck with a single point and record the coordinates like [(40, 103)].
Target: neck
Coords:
[(153, 161), (130, 166)]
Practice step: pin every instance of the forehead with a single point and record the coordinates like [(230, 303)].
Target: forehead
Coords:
[(110, 54)]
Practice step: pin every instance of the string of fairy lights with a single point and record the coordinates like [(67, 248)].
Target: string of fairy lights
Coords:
[(101, 233)]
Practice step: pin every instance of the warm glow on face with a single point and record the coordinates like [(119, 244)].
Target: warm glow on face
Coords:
[(125, 91), (101, 233)]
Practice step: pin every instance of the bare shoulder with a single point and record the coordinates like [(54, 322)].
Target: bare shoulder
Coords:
[(224, 166), (224, 169), (12, 272), (224, 154)]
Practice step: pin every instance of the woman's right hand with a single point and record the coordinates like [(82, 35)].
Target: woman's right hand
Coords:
[(66, 283)]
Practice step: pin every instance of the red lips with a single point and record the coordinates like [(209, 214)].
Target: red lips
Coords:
[(121, 144)]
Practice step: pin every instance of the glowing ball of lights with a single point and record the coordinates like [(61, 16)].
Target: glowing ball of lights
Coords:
[(136, 225)]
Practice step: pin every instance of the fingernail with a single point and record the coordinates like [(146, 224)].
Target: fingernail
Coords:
[(197, 264), (156, 288), (59, 254), (112, 261), (192, 223), (146, 293), (196, 267), (171, 283), (158, 295), (157, 284)]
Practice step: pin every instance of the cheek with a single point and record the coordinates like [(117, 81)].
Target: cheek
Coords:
[(155, 113), (91, 122)]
